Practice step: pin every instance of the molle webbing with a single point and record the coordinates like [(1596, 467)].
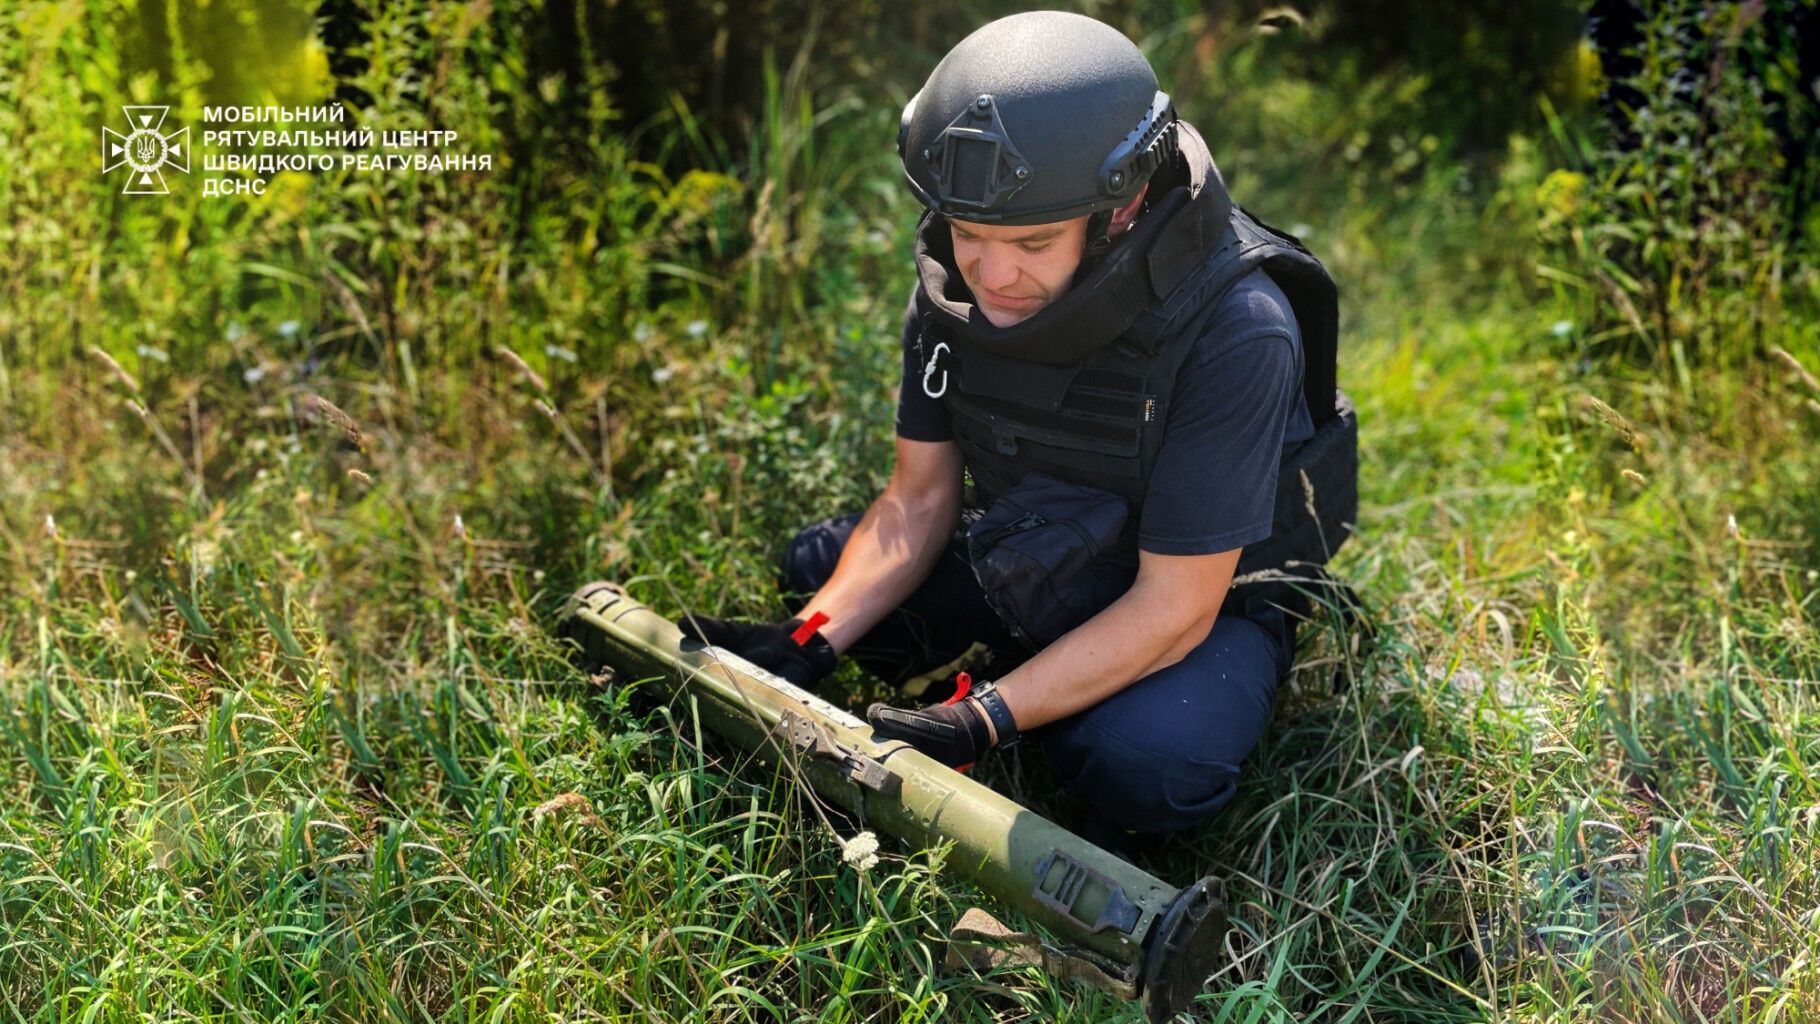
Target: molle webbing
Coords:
[(1098, 418), (1100, 421)]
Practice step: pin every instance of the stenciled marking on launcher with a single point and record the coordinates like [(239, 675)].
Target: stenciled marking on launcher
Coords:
[(929, 369), (146, 150)]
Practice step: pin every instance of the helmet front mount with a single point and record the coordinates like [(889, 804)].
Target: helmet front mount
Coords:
[(1090, 123), (974, 162)]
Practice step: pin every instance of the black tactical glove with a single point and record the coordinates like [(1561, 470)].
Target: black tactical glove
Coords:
[(953, 732), (770, 646)]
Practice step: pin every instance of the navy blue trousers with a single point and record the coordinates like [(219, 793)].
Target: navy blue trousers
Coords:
[(1157, 757)]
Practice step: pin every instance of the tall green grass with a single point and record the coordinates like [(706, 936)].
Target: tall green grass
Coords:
[(294, 484)]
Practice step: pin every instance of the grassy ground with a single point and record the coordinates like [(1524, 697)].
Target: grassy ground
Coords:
[(294, 485)]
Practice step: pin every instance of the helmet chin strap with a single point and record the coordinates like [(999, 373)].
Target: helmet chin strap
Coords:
[(1099, 242)]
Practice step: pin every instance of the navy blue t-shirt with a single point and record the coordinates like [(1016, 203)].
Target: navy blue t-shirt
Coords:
[(1238, 403)]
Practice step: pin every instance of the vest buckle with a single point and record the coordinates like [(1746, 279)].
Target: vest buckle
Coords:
[(1007, 444)]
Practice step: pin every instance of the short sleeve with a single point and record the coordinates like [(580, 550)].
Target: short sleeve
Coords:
[(919, 417), (1237, 402)]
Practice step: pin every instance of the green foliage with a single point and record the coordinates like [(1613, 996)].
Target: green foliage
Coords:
[(1671, 231)]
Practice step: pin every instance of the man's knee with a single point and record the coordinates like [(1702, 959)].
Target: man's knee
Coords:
[(1164, 753), (809, 559), (1136, 787)]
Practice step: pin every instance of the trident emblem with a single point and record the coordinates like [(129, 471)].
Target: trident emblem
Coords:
[(146, 151)]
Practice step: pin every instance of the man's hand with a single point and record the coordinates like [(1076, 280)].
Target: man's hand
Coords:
[(955, 732), (771, 646)]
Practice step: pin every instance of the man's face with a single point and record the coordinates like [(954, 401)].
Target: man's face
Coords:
[(1015, 271)]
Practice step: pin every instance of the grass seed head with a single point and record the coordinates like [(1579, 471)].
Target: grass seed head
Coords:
[(317, 409), (119, 371), (569, 805), (1616, 421), (523, 368), (1786, 358)]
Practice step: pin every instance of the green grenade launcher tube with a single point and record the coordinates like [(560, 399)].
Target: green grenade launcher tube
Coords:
[(1121, 928)]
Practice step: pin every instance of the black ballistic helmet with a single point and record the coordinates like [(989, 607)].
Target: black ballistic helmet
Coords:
[(1036, 118)]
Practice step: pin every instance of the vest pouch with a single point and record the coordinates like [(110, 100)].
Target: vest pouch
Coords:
[(1322, 473), (1045, 555)]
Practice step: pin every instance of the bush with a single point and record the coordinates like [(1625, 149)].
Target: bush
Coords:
[(1669, 233)]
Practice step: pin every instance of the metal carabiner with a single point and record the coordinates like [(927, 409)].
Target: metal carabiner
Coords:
[(930, 367)]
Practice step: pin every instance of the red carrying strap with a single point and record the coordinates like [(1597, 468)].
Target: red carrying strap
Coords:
[(962, 684), (807, 629)]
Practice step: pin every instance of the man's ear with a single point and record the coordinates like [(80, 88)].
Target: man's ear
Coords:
[(1124, 215)]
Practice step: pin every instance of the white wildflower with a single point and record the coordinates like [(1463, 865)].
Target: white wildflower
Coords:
[(204, 554), (861, 851)]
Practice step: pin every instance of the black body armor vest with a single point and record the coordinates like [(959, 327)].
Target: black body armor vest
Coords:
[(1081, 390)]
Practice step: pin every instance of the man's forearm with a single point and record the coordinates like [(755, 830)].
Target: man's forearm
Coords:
[(1145, 630), (891, 551)]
